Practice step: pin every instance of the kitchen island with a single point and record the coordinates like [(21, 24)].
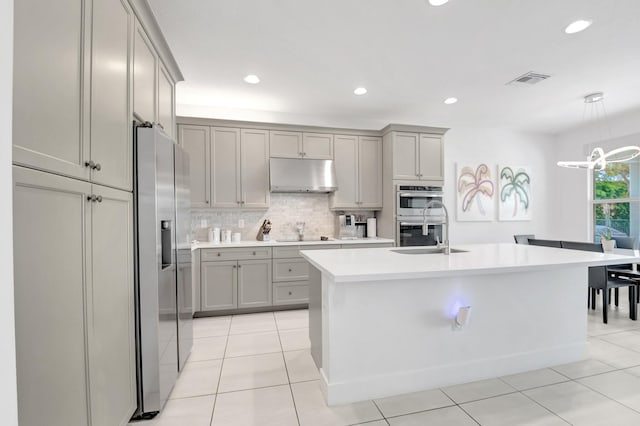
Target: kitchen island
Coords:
[(381, 321)]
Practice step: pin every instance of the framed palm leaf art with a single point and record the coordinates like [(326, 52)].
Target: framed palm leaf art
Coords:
[(514, 196), (475, 192)]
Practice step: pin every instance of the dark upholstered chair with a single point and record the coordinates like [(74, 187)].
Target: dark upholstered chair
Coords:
[(601, 279), (544, 243), (625, 270), (523, 238), (625, 242)]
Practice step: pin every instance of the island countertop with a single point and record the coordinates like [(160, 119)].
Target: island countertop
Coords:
[(349, 265)]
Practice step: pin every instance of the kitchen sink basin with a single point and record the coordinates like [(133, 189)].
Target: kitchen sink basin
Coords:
[(426, 251)]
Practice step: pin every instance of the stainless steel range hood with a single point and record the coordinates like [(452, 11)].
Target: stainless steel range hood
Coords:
[(302, 175)]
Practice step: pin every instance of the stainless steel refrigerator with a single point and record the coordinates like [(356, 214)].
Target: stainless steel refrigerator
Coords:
[(164, 311)]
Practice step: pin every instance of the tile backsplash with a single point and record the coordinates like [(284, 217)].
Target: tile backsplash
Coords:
[(286, 209)]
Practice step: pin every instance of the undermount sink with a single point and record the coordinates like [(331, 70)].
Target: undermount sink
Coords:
[(426, 251)]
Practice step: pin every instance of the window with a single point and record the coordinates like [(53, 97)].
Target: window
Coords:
[(616, 200)]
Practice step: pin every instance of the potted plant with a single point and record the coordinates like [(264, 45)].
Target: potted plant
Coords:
[(607, 240)]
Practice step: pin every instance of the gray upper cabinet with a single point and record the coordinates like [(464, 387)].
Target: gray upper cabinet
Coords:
[(166, 110), (285, 144), (111, 136), (225, 170), (405, 156), (431, 157), (301, 145), (417, 156), (358, 172), (369, 172), (50, 97), (196, 141), (254, 165), (144, 76), (317, 145)]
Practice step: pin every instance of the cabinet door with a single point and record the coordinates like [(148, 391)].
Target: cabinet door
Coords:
[(255, 169), (317, 145), (195, 140), (405, 156), (225, 167), (111, 322), (51, 216), (370, 172), (285, 144), (51, 86), (346, 162), (219, 285), (144, 76), (111, 145), (254, 283), (166, 111), (431, 157)]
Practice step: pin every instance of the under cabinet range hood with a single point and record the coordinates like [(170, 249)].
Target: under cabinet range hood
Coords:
[(302, 175)]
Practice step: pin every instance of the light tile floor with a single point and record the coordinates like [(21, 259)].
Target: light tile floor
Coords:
[(256, 369)]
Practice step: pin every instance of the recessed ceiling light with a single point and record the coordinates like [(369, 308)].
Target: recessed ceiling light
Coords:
[(437, 2), (577, 26), (252, 79), (450, 101), (360, 91)]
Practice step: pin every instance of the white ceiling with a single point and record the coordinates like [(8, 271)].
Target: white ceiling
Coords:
[(310, 56)]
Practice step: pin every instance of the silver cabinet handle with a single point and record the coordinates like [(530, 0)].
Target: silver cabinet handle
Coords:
[(234, 266), (94, 198), (97, 167), (219, 254), (254, 253), (239, 266), (99, 198), (91, 197), (290, 293), (289, 269)]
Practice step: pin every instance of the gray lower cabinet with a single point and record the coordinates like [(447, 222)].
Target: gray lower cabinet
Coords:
[(74, 301), (253, 277), (219, 285), (235, 278), (254, 283)]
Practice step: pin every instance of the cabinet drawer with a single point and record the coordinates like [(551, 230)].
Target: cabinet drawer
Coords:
[(248, 253), (291, 293), (290, 269), (294, 251)]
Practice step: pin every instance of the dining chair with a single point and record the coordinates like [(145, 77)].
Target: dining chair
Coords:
[(544, 243), (523, 238), (625, 270), (601, 279)]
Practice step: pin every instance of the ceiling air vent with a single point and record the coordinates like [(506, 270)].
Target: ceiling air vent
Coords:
[(529, 78)]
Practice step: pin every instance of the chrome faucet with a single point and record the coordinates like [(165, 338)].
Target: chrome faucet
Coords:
[(425, 225)]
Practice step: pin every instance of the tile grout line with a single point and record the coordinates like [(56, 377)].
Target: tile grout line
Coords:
[(284, 360), (552, 412), (224, 353)]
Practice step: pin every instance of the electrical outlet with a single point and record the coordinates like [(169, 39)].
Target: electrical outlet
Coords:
[(240, 223)]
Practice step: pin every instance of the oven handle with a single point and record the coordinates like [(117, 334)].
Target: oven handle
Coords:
[(420, 223), (422, 194)]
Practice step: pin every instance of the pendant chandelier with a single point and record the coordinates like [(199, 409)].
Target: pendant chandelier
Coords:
[(598, 159)]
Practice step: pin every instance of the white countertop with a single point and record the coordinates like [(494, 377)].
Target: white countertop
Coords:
[(275, 243), (384, 264)]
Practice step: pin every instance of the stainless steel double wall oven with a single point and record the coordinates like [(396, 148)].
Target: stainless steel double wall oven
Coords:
[(410, 215)]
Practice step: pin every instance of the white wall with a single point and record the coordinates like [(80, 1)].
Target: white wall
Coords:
[(8, 398), (572, 187), (500, 147)]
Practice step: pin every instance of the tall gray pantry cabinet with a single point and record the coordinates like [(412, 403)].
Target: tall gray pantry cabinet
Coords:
[(74, 84)]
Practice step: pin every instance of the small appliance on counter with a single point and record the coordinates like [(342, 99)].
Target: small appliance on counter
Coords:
[(347, 227), (263, 232)]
